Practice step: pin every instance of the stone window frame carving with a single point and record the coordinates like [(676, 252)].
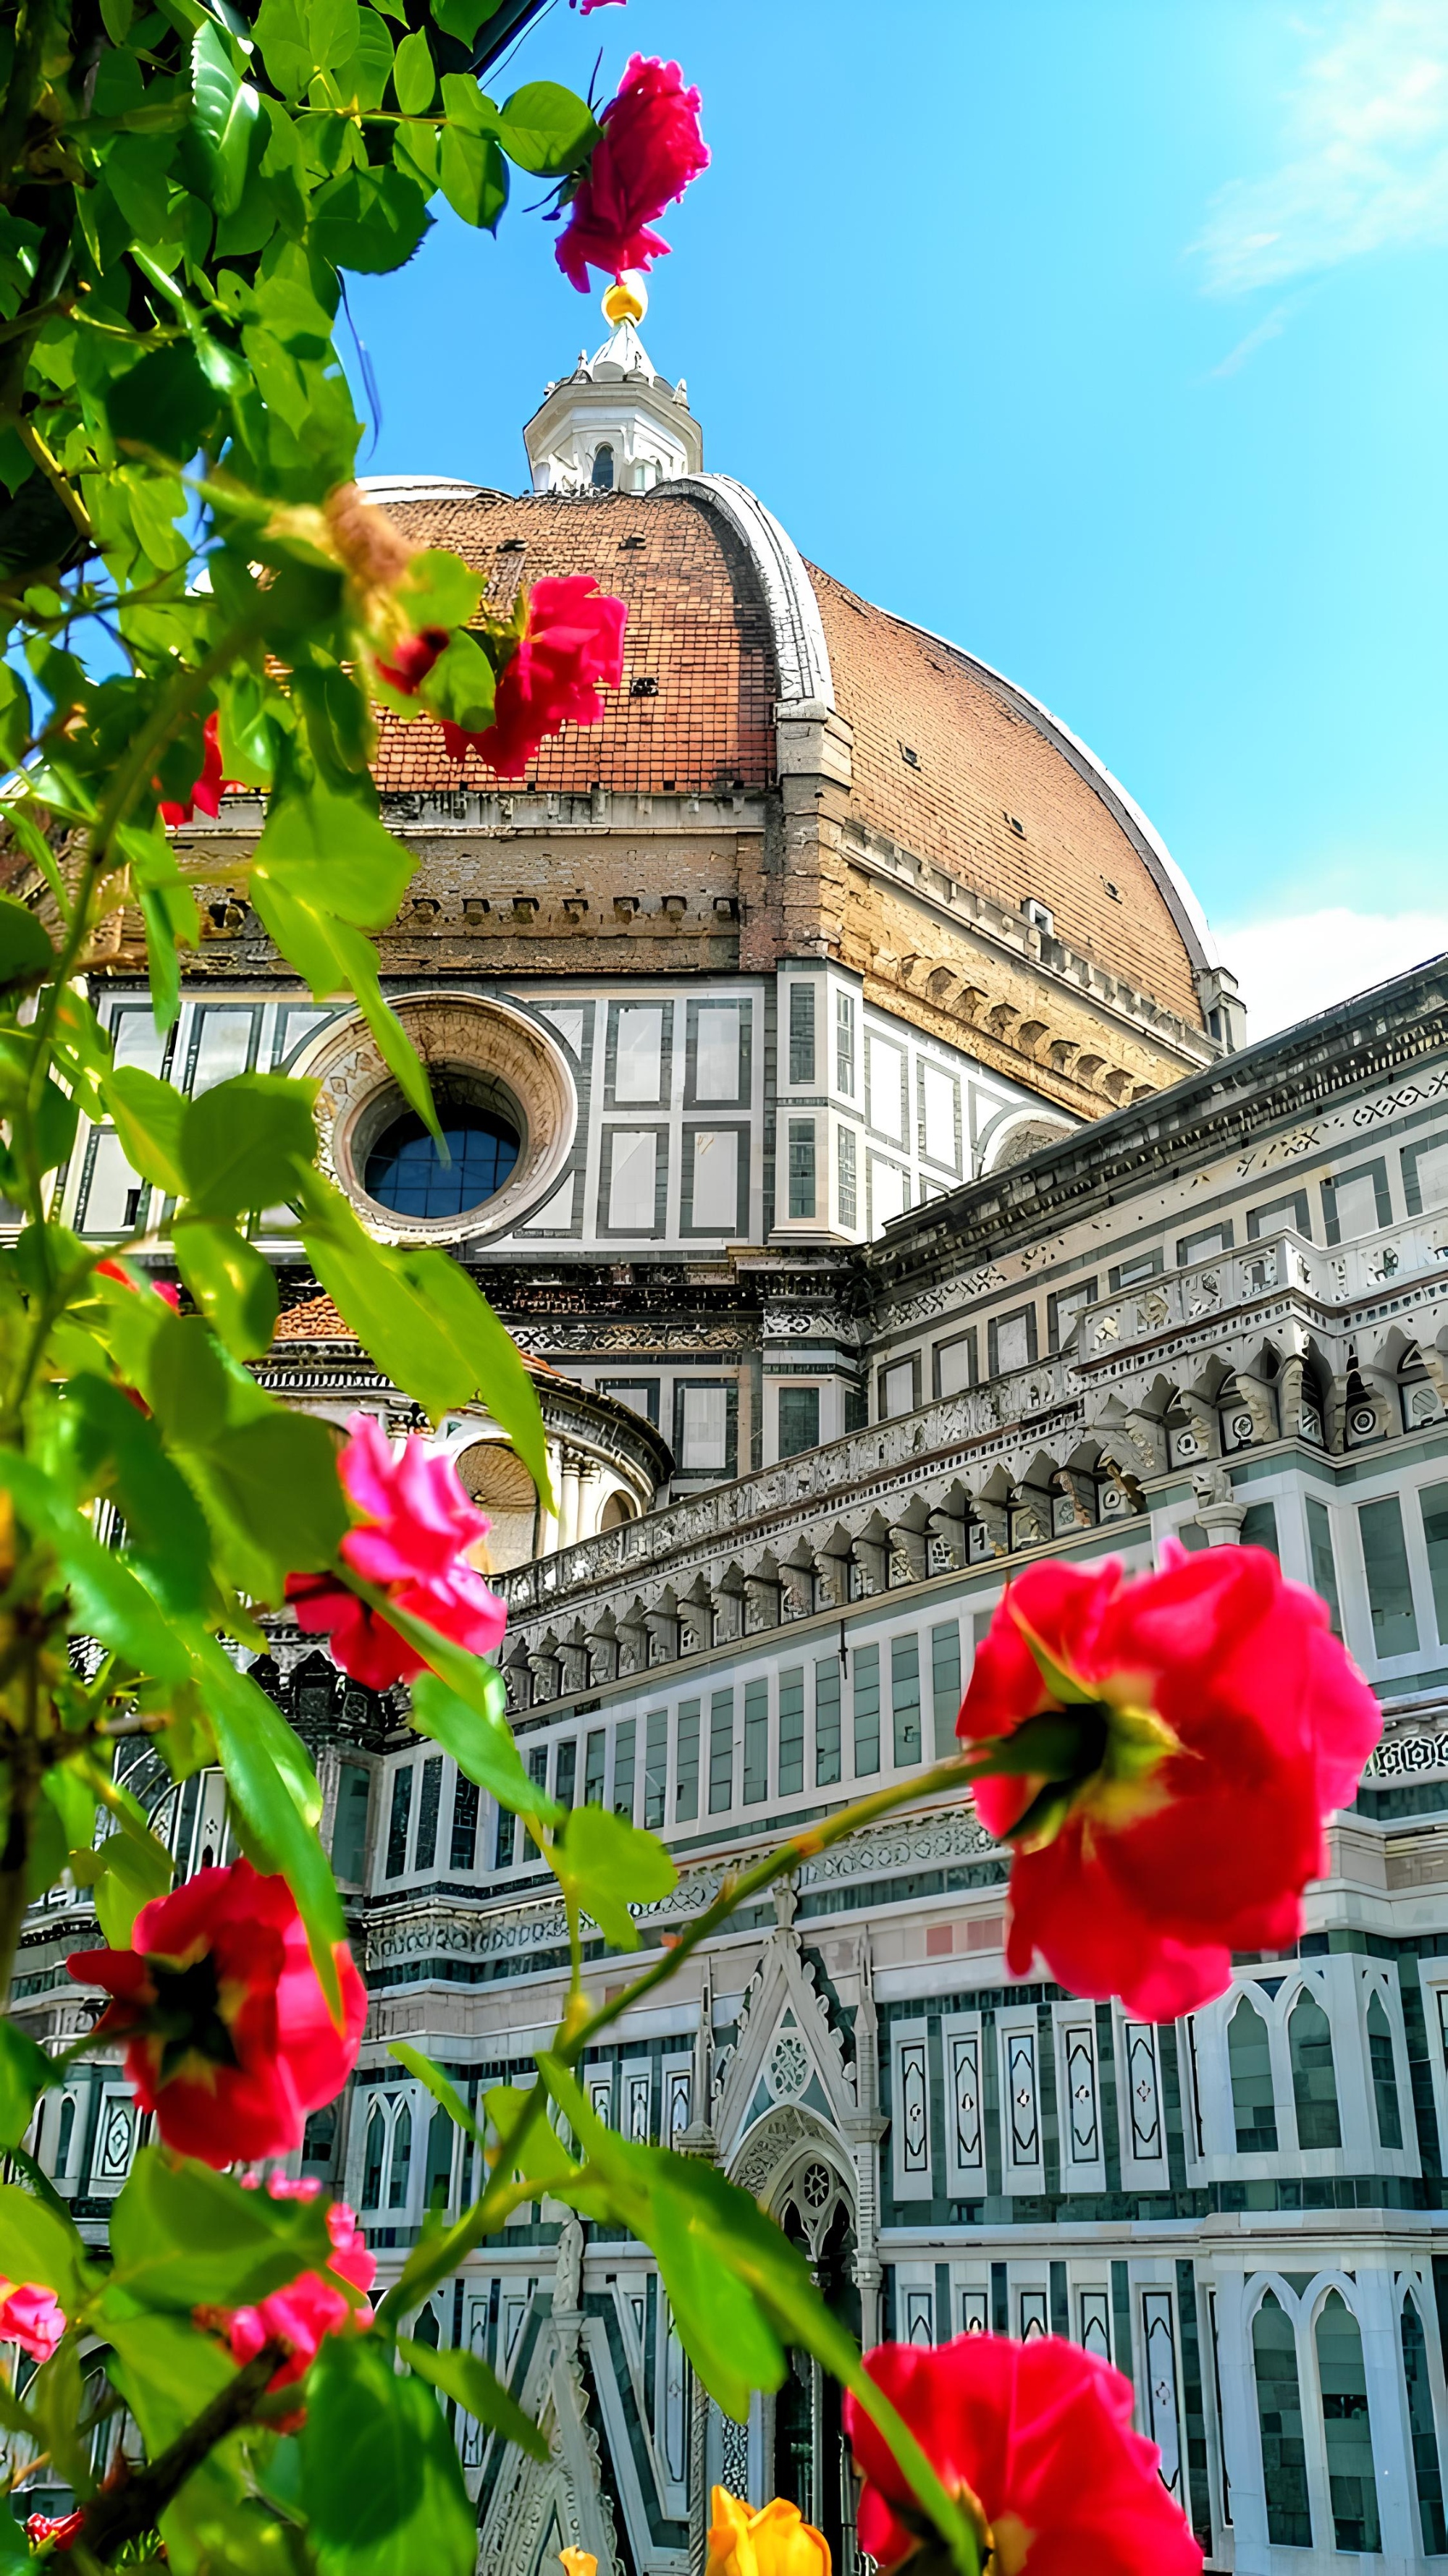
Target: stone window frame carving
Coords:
[(478, 1034)]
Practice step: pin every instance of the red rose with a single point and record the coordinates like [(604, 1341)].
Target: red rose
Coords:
[(414, 1540), (309, 2307), (1035, 2441), (648, 150), (571, 647), (211, 786), (32, 2317), (229, 2039), (1203, 1723), (413, 659), (40, 2527)]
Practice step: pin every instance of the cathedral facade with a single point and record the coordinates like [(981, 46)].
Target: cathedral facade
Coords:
[(852, 1121)]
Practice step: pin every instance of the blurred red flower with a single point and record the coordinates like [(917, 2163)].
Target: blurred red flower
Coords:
[(162, 1287), (32, 2317), (1196, 1727), (413, 1542), (1034, 2440), (648, 150), (413, 658), (571, 647), (228, 2036), (62, 2529), (311, 2306), (211, 786)]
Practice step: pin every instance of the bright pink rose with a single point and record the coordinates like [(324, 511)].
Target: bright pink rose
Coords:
[(1034, 2440), (229, 2039), (211, 786), (31, 2317), (571, 647), (311, 2306), (414, 658), (413, 1543), (648, 150), (1209, 1722)]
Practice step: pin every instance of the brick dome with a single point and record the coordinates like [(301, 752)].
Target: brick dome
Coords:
[(950, 762)]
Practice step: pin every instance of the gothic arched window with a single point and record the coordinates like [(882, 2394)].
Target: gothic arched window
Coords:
[(1385, 2075), (1427, 2470), (401, 2165), (603, 469), (1314, 2080), (372, 2159), (1347, 2430), (1279, 2416), (1250, 2061)]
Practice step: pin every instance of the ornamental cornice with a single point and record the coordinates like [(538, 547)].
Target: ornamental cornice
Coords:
[(436, 1929)]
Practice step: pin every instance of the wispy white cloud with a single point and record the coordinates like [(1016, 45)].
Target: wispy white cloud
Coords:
[(1269, 328), (1304, 962), (1365, 155)]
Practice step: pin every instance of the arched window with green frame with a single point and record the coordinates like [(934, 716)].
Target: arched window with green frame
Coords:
[(1351, 2480), (1314, 2077), (1279, 2417), (1249, 2060), (1383, 2063)]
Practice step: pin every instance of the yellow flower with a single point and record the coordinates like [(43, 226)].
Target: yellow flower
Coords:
[(578, 2562), (773, 2542)]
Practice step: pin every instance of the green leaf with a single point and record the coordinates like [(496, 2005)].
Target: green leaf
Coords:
[(16, 716), (425, 1323), (276, 1793), (183, 1377), (223, 114), (463, 18), (147, 1117), (36, 2245), (55, 2395), (25, 950), (605, 1865), (234, 1286), (542, 2155), (369, 220), (166, 402), (25, 2071), (436, 2083), (474, 177), (466, 2377), (440, 589), (184, 2237), (275, 1477), (122, 1879), (108, 1602), (381, 2481), (414, 75), (117, 1452), (333, 854), (461, 686), (164, 2369), (547, 129), (242, 1141), (478, 1737)]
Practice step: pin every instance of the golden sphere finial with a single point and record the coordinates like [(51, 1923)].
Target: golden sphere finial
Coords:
[(627, 299)]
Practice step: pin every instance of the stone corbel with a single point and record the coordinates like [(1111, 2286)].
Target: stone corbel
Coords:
[(813, 741)]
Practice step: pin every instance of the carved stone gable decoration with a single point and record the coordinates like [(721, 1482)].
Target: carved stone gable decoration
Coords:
[(787, 2054), (535, 2509), (489, 1051)]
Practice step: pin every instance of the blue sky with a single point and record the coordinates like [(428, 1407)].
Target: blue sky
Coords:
[(1106, 336)]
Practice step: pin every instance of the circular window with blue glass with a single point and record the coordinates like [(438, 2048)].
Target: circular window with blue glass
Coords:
[(411, 1172), (506, 1104)]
